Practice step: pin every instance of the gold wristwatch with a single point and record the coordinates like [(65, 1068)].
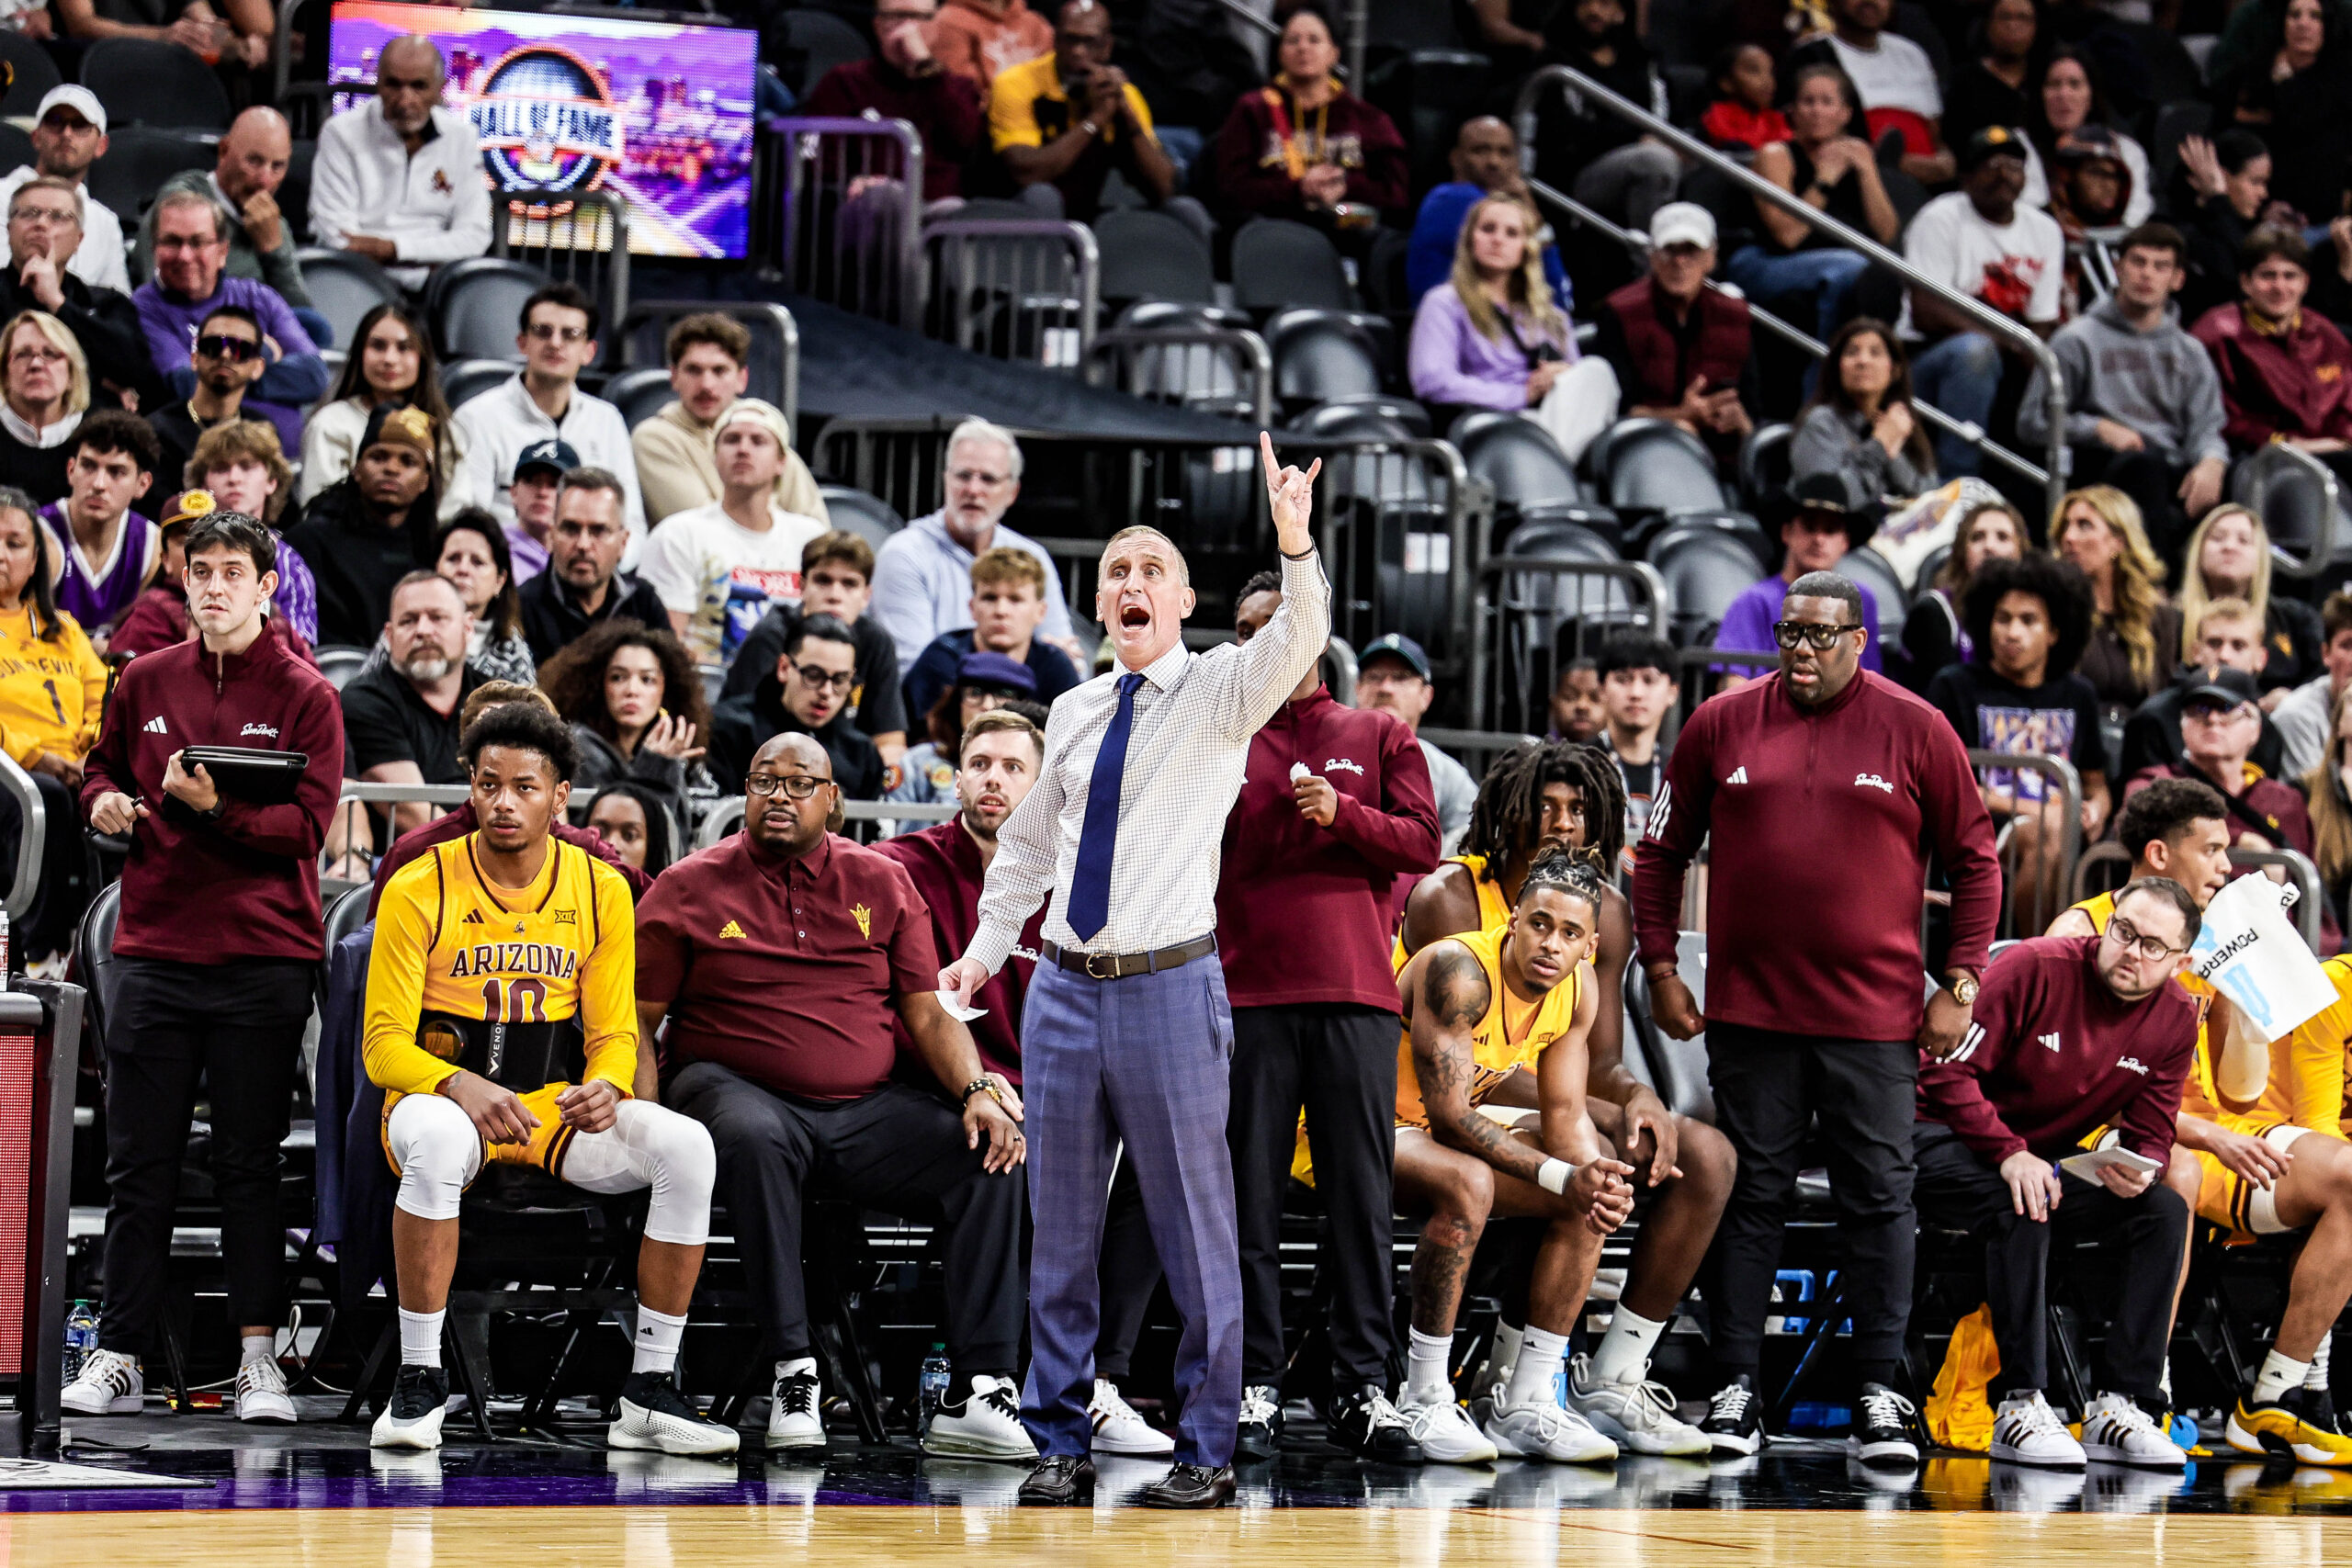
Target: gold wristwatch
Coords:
[(1963, 986)]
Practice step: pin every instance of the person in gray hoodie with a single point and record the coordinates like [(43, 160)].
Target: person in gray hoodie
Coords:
[(2143, 404)]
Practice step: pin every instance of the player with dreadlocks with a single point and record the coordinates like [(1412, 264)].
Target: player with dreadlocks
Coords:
[(1561, 795)]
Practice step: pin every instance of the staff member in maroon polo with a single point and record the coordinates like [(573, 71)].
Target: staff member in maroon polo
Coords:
[(1827, 789), (1315, 1026)]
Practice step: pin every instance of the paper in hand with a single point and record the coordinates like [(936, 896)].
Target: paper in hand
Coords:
[(2087, 1164), (960, 1014), (1300, 771)]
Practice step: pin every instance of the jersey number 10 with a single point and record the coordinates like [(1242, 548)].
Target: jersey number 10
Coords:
[(514, 1002)]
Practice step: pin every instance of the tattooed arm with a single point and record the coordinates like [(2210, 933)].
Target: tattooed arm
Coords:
[(1450, 995)]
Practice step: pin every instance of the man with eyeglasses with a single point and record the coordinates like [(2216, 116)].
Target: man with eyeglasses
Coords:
[(811, 691), (782, 957), (583, 583), (255, 155), (922, 581), (2071, 1036), (399, 179), (1828, 789), (228, 361), (192, 280), (69, 135), (44, 233), (544, 403)]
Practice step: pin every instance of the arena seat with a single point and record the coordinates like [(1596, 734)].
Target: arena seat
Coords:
[(340, 664), (1322, 354), (1348, 421), (344, 285), (1278, 264), (1150, 255), (476, 306), (1923, 581), (139, 159), (1873, 571), (465, 379), (1705, 570), (1563, 541), (1533, 480), (294, 195), (869, 517), (820, 40), (1211, 377), (1737, 526), (1335, 414), (639, 394), (143, 82), (1650, 465), (1764, 465), (15, 146), (32, 72)]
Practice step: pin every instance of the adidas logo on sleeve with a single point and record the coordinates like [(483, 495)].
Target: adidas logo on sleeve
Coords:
[(156, 725)]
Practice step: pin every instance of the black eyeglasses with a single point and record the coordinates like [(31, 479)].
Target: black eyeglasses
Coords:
[(824, 682), (799, 786), (1812, 634), (236, 350), (2149, 948)]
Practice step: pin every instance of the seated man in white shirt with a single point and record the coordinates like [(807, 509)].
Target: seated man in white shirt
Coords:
[(544, 403), (922, 574), (69, 135), (400, 178), (719, 568)]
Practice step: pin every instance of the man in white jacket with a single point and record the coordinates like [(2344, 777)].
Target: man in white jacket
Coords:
[(401, 178)]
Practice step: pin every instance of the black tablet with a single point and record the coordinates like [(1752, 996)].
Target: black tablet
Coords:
[(265, 778)]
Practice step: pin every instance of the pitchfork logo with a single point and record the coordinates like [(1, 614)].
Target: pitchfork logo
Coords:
[(546, 117)]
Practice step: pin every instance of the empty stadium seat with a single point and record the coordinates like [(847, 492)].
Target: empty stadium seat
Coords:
[(144, 82), (32, 72), (1533, 480), (1211, 377), (1150, 255), (1924, 580), (817, 41), (1737, 526), (639, 394), (1337, 413), (344, 287), (139, 159), (1649, 465), (1705, 570), (1278, 264), (476, 307), (1147, 315), (294, 194), (464, 379), (1353, 422), (1764, 465), (1322, 354), (1562, 541), (1875, 572), (869, 517)]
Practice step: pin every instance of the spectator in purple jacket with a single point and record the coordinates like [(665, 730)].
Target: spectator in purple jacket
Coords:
[(191, 281)]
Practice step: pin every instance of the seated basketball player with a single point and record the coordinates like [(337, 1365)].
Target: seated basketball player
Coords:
[(1480, 1006), (1569, 796), (2257, 1169), (502, 1023)]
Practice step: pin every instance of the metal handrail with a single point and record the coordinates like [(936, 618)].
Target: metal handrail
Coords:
[(1263, 24), (804, 138), (1640, 580), (2252, 481), (32, 836), (2070, 784), (1991, 321), (2296, 864), (527, 224), (984, 269), (726, 816), (1256, 366), (754, 313), (401, 793)]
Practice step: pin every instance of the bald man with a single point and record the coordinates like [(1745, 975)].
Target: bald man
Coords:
[(400, 178), (780, 957), (1486, 162), (244, 180)]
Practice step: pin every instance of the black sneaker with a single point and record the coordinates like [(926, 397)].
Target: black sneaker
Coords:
[(413, 1419), (656, 1414), (1882, 1434), (1261, 1422), (1735, 1422), (1366, 1425)]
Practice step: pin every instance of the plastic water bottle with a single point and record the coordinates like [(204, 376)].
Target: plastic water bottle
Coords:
[(81, 1337), (4, 966), (932, 1387)]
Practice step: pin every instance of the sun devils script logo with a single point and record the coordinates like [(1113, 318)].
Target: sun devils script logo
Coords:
[(546, 117), (1871, 781)]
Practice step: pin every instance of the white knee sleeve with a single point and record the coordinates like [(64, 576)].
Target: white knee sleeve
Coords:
[(2262, 1208), (438, 1152), (649, 1146)]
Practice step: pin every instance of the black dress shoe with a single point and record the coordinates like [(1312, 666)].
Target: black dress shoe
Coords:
[(1260, 1436), (1061, 1481), (1366, 1425), (1189, 1487)]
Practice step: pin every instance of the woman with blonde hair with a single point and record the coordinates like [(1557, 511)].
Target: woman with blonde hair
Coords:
[(2229, 558), (2328, 787), (44, 392), (1492, 337), (2135, 635)]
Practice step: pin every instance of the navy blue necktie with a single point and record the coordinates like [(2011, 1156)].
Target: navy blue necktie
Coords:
[(1098, 840)]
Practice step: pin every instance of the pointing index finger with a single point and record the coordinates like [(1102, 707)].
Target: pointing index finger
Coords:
[(1266, 451)]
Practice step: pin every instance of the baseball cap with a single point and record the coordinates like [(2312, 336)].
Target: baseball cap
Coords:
[(1398, 646), (1683, 223), (186, 508), (996, 670), (1991, 141), (765, 414), (399, 424), (80, 100), (556, 455), (2225, 688)]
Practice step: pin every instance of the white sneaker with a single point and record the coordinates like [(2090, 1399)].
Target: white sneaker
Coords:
[(794, 1421), (1444, 1430), (1119, 1430), (261, 1391), (988, 1425), (1639, 1414), (107, 1384), (1545, 1431), (2026, 1431), (412, 1418), (655, 1413), (2116, 1431)]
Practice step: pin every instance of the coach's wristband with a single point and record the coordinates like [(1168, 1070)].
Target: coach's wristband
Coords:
[(1555, 1176)]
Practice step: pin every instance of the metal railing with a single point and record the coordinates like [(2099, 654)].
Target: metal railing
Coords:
[(851, 212), (579, 237), (1402, 527), (1983, 318), (775, 344), (2093, 875), (727, 818), (1476, 749), (1026, 289), (2027, 912), (2299, 502), (1221, 370), (32, 831), (1521, 608)]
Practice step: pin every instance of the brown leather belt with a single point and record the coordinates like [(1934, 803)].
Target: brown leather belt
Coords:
[(1119, 965)]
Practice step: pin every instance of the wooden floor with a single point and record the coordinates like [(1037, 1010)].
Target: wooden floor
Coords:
[(850, 1537)]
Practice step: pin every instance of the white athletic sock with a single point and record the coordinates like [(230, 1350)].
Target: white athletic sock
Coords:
[(256, 1347), (1531, 1375), (2164, 1380), (1430, 1354), (2317, 1377), (421, 1338), (1625, 1352), (2279, 1372), (656, 1340)]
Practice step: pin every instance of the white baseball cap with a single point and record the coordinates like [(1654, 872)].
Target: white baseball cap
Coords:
[(80, 100), (1683, 223)]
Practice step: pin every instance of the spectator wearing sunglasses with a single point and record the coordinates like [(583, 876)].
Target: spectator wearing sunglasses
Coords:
[(227, 359), (812, 691)]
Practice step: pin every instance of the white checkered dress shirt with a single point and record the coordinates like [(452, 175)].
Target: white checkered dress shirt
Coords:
[(1194, 716)]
